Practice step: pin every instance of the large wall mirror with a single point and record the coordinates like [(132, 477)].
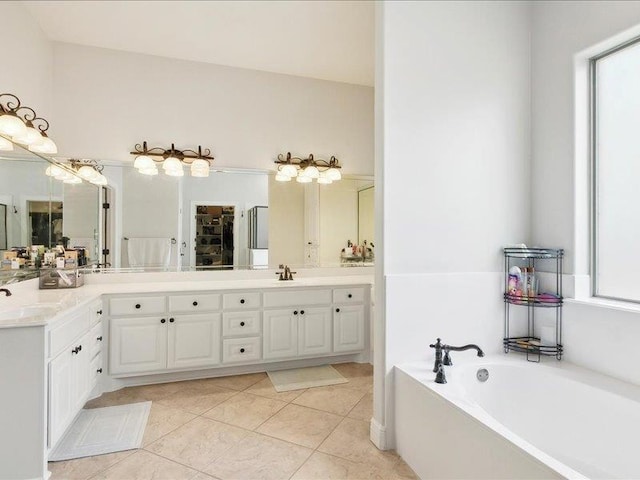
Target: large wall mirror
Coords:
[(232, 219)]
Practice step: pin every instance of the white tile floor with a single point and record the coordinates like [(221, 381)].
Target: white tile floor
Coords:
[(241, 428)]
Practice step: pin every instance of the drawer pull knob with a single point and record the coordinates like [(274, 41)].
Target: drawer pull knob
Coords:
[(349, 296), (99, 339), (99, 370), (171, 320), (295, 312), (301, 312), (99, 312), (195, 304), (77, 349), (242, 324), (137, 305), (338, 310), (242, 350), (242, 300), (163, 320)]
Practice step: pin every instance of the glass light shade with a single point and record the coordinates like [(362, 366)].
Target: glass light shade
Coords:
[(149, 171), (30, 137), (142, 161), (334, 174), (172, 163), (311, 171), (53, 171), (199, 164), (175, 172), (324, 180), (289, 170), (100, 180), (5, 144), (73, 180), (63, 175), (280, 177), (199, 172), (303, 179), (47, 146), (12, 125), (88, 173)]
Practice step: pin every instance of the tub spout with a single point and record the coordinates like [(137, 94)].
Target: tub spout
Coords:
[(449, 348)]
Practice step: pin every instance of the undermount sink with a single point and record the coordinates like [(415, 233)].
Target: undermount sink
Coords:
[(30, 311)]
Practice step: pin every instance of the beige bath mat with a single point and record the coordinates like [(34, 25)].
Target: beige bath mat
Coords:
[(299, 378)]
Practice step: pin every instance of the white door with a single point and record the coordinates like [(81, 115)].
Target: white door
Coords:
[(280, 334), (137, 345), (314, 331), (61, 401), (348, 328), (194, 340)]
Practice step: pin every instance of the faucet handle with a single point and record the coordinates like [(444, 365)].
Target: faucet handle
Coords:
[(436, 345)]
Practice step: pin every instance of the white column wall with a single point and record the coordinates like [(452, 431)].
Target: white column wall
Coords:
[(455, 125)]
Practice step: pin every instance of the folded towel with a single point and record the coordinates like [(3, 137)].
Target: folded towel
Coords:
[(149, 252)]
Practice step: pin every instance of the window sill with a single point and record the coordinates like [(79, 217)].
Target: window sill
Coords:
[(606, 303)]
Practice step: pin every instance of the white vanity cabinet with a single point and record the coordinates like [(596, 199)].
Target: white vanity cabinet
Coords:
[(71, 377), (156, 333), (169, 339)]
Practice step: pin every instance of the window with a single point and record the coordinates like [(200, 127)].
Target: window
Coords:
[(615, 81)]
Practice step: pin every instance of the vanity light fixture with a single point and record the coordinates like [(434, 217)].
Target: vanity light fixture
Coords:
[(76, 171), (305, 170), (22, 125), (172, 160)]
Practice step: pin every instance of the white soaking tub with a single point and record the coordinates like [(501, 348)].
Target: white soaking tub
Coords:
[(547, 420)]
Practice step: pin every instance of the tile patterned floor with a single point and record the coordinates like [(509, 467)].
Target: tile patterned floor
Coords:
[(241, 428)]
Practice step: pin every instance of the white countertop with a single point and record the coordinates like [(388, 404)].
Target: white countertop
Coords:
[(15, 311)]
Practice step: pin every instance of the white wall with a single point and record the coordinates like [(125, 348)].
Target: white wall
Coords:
[(564, 35), (286, 222), (338, 215), (117, 99), (26, 61), (456, 112)]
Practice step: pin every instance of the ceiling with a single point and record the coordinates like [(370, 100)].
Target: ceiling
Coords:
[(328, 40)]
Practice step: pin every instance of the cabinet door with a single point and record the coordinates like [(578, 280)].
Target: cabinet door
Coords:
[(61, 401), (314, 331), (81, 379), (137, 345), (280, 334), (348, 328), (194, 340)]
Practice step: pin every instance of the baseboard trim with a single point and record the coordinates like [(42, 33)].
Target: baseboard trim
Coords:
[(378, 434)]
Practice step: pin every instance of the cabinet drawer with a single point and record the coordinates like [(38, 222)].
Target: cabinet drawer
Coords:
[(240, 323), (96, 312), (240, 350), (136, 306), (348, 295), (95, 340), (194, 303), (241, 300), (293, 298), (66, 332)]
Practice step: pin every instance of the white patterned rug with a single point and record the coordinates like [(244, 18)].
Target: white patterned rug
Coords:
[(97, 431), (299, 378)]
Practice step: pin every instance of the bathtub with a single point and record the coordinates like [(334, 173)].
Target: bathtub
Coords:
[(547, 420)]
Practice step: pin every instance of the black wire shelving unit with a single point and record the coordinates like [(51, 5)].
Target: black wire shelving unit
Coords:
[(531, 344)]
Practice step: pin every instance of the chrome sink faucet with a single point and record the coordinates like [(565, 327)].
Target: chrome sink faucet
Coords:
[(6, 292), (287, 274), (440, 362)]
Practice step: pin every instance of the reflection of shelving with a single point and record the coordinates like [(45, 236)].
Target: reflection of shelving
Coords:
[(531, 343), (214, 236)]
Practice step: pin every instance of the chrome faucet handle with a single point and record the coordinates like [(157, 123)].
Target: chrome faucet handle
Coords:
[(447, 358)]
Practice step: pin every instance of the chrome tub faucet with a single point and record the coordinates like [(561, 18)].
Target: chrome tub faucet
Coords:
[(440, 362)]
